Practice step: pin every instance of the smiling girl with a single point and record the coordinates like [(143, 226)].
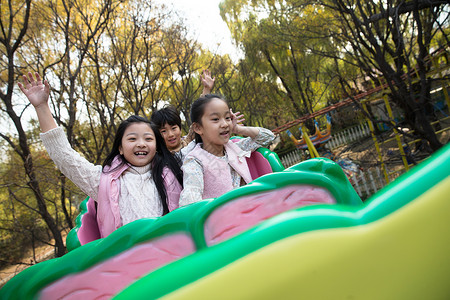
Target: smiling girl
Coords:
[(139, 178), (218, 165)]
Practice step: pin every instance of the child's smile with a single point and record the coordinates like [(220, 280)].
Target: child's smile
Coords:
[(138, 144), (141, 153), (172, 136)]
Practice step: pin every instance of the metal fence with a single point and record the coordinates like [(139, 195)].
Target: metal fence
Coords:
[(348, 136), (365, 182), (343, 137), (292, 158), (368, 182)]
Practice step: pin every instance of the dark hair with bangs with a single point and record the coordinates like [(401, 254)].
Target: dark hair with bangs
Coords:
[(198, 110), (163, 158), (167, 115)]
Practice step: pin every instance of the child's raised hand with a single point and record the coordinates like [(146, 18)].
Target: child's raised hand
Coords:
[(236, 119), (207, 81), (189, 137), (36, 90)]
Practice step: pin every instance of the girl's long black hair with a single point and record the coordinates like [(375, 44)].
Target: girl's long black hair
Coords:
[(163, 157), (198, 110)]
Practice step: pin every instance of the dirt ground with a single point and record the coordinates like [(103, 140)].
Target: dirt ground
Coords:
[(42, 253), (365, 155)]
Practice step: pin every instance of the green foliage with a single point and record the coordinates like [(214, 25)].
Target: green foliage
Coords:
[(278, 43), (21, 225), (18, 236)]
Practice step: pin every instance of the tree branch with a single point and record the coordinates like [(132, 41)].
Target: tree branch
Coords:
[(407, 8)]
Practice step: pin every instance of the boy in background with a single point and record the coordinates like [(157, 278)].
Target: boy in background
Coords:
[(169, 123)]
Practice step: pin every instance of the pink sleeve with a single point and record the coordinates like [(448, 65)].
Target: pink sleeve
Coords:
[(173, 189)]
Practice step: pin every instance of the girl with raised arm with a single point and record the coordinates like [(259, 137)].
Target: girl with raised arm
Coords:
[(140, 178)]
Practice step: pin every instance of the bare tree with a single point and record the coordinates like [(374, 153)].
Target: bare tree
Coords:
[(184, 77), (270, 34), (27, 48), (141, 59), (12, 38), (78, 26), (392, 43)]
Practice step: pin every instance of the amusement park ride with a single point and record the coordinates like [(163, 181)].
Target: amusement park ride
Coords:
[(296, 233), (440, 66), (319, 137)]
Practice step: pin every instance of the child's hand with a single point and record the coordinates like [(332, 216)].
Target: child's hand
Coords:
[(189, 137), (207, 82), (37, 91), (236, 119)]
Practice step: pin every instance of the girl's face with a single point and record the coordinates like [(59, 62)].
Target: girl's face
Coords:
[(138, 144), (215, 127), (172, 136)]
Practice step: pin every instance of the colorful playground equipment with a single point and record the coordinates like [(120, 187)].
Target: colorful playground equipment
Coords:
[(398, 136), (319, 137), (379, 94), (298, 233)]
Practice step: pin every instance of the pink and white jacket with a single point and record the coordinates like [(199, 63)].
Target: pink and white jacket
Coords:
[(216, 172), (108, 212), (104, 188)]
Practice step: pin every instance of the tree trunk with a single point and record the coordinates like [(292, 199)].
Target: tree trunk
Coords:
[(63, 201), (426, 130), (60, 249)]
